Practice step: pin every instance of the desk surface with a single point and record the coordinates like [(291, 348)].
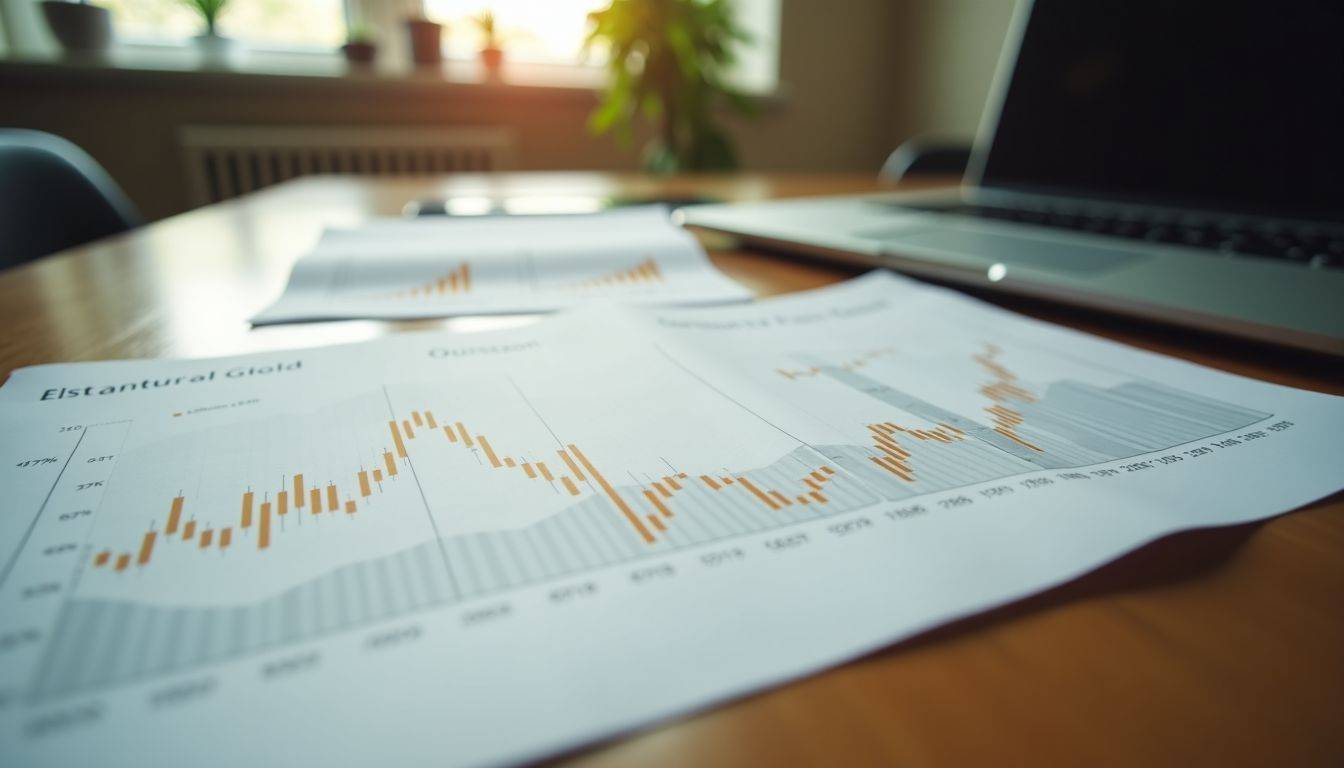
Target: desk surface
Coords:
[(1218, 647)]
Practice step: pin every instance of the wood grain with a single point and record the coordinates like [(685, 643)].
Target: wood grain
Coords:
[(1220, 647)]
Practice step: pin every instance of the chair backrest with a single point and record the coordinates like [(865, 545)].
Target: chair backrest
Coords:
[(54, 196), (927, 157)]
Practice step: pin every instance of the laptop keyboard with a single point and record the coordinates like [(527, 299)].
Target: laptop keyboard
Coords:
[(1307, 246)]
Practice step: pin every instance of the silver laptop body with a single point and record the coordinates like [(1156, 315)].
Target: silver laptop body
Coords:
[(1122, 200)]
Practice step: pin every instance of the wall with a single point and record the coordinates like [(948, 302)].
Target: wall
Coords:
[(859, 77), (950, 51)]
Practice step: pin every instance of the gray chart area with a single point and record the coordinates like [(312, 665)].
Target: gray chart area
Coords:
[(102, 643)]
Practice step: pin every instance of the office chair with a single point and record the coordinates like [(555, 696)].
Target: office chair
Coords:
[(926, 157), (54, 196)]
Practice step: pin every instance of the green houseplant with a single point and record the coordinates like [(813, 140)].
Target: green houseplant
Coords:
[(215, 48), (668, 61), (492, 55), (209, 11)]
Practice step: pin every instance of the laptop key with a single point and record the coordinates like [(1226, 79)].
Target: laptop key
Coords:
[(1269, 240)]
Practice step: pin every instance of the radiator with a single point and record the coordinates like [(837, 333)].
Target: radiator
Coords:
[(226, 161)]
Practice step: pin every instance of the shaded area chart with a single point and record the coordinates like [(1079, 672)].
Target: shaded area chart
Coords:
[(101, 642), (1073, 425), (612, 515)]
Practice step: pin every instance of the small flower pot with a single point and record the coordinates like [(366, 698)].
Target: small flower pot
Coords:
[(80, 28), (492, 59), (426, 41), (359, 53), (216, 50)]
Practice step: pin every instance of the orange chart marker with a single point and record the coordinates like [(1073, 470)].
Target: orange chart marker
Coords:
[(612, 494)]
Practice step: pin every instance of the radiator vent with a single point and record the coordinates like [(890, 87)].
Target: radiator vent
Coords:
[(226, 161)]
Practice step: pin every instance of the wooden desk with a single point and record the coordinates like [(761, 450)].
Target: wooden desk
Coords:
[(1220, 647)]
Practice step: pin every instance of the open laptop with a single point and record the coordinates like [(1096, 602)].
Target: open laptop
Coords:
[(1176, 161)]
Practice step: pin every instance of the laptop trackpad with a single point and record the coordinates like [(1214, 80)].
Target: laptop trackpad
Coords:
[(998, 247)]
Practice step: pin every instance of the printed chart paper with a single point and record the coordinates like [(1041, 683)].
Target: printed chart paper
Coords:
[(417, 268), (440, 549)]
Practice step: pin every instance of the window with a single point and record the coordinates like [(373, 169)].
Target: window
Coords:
[(551, 32), (532, 31), (262, 23)]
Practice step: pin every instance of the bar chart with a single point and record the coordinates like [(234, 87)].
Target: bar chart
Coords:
[(410, 461), (455, 281)]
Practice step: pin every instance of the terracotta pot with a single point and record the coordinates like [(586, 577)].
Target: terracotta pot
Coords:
[(80, 28), (426, 41), (493, 60), (360, 52)]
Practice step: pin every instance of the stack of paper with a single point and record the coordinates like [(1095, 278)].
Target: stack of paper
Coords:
[(415, 268), (438, 549)]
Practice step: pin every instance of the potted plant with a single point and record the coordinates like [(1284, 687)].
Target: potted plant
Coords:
[(81, 28), (214, 47), (492, 55), (426, 41), (359, 48), (668, 60)]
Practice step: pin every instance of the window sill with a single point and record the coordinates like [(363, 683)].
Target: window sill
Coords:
[(164, 63), (184, 64)]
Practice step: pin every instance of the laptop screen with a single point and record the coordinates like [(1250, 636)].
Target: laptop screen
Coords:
[(1234, 105)]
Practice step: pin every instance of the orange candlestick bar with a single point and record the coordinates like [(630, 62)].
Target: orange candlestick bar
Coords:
[(189, 530), (315, 497), (545, 471), (429, 419), (247, 509), (298, 490), (710, 482), (174, 515), (508, 462), (102, 559), (391, 463), (672, 482), (661, 489), (657, 502), (419, 422), (282, 502), (349, 507), (264, 532), (726, 480), (123, 560), (225, 537), (410, 432), (750, 486), (569, 486), (489, 452), (656, 522), (377, 475), (333, 503), (572, 466), (146, 548), (396, 440), (364, 489), (207, 536), (817, 496), (448, 433), (828, 470), (777, 496), (528, 470), (462, 432), (612, 494)]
